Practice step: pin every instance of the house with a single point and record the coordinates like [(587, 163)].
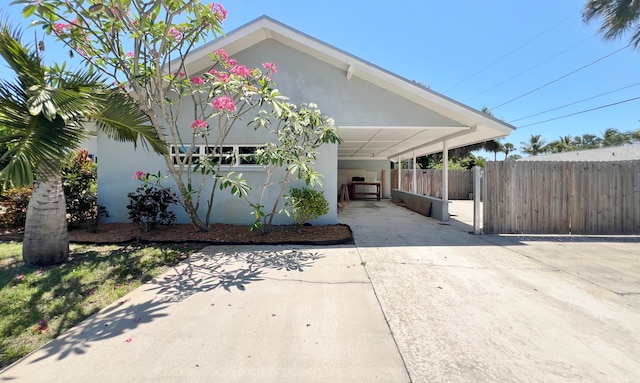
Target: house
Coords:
[(613, 153), (381, 118)]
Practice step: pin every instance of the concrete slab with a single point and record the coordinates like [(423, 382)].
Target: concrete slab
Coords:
[(467, 308), (462, 308), (233, 314)]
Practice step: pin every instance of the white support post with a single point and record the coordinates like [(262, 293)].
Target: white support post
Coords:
[(414, 189), (445, 180), (399, 173)]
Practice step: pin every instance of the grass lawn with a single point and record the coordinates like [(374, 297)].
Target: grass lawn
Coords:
[(38, 304)]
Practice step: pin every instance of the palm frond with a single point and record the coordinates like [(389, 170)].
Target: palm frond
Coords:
[(23, 60), (123, 120)]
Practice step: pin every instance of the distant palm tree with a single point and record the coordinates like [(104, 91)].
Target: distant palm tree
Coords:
[(612, 137), (41, 119), (617, 17), (507, 148), (586, 141), (563, 144), (535, 146), (495, 147)]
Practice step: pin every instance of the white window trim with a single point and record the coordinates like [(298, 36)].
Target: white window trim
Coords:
[(201, 151)]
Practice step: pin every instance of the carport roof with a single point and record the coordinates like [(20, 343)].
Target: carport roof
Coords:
[(370, 142)]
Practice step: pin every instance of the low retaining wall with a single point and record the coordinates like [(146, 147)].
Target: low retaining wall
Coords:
[(425, 205)]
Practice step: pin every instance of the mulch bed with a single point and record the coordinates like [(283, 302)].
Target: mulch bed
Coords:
[(218, 234)]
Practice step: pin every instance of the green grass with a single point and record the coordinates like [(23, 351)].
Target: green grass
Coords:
[(64, 295)]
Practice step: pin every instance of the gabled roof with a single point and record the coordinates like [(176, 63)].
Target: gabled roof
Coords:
[(613, 153), (472, 126)]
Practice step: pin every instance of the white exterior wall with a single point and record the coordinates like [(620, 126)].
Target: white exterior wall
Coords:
[(118, 163), (303, 79)]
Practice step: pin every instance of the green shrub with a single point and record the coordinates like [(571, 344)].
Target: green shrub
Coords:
[(79, 180), (306, 204), (14, 203), (149, 206)]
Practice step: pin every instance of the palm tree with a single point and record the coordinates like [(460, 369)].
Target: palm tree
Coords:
[(617, 17), (42, 118), (507, 148), (535, 146), (612, 137), (493, 146), (563, 144), (586, 141)]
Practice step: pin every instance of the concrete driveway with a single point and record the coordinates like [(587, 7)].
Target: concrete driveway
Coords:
[(465, 308), (431, 304)]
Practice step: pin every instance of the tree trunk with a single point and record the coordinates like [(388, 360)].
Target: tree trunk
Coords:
[(46, 240)]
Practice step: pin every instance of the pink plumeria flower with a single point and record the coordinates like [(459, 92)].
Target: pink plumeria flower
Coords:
[(224, 103), (130, 54), (270, 67), (175, 34), (241, 70), (128, 340), (223, 77), (232, 62), (59, 28), (197, 80), (139, 175), (199, 124), (221, 54), (20, 277), (219, 11)]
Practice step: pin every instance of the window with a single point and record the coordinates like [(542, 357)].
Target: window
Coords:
[(181, 152), (231, 155)]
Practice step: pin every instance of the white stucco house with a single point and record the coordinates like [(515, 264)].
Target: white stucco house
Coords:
[(381, 117)]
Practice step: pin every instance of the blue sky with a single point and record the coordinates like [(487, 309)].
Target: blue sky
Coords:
[(481, 53)]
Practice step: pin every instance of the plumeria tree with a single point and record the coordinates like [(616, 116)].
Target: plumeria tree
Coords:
[(142, 45)]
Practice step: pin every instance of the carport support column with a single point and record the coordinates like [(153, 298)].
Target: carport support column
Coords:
[(414, 189), (399, 173), (445, 180)]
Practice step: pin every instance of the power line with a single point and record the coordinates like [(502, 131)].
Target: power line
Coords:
[(575, 102), (582, 111), (530, 69), (511, 52), (558, 79)]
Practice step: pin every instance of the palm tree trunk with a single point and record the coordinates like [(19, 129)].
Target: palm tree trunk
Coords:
[(46, 240)]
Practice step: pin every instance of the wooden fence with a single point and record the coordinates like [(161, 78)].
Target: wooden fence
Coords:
[(429, 182), (562, 197)]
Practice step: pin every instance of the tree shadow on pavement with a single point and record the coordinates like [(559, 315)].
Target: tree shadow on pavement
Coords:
[(231, 268)]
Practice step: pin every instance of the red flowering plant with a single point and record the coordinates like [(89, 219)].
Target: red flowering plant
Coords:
[(142, 45)]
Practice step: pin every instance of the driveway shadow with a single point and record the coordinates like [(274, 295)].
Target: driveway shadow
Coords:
[(229, 268)]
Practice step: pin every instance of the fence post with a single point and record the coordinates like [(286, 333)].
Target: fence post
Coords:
[(477, 217)]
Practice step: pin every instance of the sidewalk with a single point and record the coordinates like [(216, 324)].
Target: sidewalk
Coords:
[(233, 314)]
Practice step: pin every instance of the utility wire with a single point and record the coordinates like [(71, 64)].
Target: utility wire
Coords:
[(510, 52), (575, 102), (529, 69), (557, 79), (582, 111)]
